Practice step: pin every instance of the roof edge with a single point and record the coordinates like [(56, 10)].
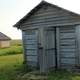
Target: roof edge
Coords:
[(16, 25), (38, 6)]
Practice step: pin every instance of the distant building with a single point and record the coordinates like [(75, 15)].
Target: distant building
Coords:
[(4, 40), (51, 37)]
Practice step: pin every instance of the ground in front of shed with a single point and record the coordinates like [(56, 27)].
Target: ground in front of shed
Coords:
[(12, 68)]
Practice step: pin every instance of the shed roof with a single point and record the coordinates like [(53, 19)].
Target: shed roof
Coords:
[(26, 17), (4, 37)]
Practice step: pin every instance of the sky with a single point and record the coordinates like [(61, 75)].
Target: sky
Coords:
[(11, 11)]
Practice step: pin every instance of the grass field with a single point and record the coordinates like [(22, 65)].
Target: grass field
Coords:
[(11, 50), (16, 42), (10, 66), (11, 61), (15, 48), (63, 75)]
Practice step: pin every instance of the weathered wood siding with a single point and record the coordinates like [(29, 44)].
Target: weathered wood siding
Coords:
[(49, 16), (68, 56), (43, 54), (30, 41), (50, 47), (47, 51), (78, 42)]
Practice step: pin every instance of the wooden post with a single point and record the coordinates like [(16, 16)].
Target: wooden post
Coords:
[(55, 50), (23, 48), (57, 47), (43, 66), (77, 55)]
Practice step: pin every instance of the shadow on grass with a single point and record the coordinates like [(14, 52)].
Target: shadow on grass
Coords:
[(63, 75)]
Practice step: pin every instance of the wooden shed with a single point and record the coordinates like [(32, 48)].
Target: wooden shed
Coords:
[(51, 37), (4, 41)]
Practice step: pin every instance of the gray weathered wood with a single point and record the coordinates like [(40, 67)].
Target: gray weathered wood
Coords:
[(58, 46), (50, 47), (68, 51), (30, 38), (78, 44), (43, 61), (50, 31)]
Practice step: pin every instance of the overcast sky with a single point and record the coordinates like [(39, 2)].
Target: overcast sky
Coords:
[(13, 10)]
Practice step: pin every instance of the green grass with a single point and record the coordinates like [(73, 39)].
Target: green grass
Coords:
[(16, 42), (10, 59), (11, 50), (63, 75), (15, 48), (10, 66)]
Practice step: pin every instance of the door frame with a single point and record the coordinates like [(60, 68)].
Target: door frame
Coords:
[(43, 69)]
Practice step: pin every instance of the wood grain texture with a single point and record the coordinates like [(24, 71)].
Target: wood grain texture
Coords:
[(67, 46)]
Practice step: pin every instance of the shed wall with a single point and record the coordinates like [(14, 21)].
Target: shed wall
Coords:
[(78, 42), (30, 47), (48, 16), (67, 41), (67, 55)]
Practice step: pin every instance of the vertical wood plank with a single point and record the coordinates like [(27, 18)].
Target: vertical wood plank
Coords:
[(77, 44), (24, 52), (57, 46), (43, 66)]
